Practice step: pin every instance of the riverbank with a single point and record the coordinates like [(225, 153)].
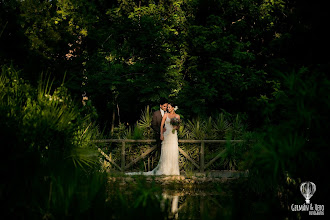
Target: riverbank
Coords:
[(185, 178)]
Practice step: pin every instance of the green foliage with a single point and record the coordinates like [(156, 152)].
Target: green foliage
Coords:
[(145, 123), (237, 128), (137, 133), (119, 132), (294, 145), (221, 126), (230, 158), (44, 135), (208, 56), (197, 129), (138, 62), (50, 121)]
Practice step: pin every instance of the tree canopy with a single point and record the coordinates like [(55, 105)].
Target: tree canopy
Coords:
[(206, 56)]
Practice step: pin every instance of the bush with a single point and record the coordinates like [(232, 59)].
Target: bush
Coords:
[(292, 148), (44, 139)]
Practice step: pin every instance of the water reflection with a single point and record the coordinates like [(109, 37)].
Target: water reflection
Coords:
[(151, 200), (192, 205), (173, 202)]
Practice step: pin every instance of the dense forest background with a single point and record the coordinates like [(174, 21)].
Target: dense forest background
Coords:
[(207, 56), (73, 70)]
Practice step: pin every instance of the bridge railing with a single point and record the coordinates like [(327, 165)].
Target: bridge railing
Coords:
[(201, 166)]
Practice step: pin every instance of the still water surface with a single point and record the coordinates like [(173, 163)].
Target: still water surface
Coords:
[(203, 201)]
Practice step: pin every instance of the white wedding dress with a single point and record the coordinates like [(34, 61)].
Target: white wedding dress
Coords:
[(169, 156)]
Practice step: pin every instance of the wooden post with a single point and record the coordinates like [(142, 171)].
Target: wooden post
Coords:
[(202, 157), (123, 156), (113, 118), (148, 163)]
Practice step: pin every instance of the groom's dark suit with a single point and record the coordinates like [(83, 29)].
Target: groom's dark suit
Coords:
[(155, 125)]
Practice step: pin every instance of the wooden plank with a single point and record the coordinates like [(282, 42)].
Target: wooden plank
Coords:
[(125, 140), (109, 159), (214, 159), (219, 141), (153, 140), (142, 156), (187, 156), (123, 156), (201, 160)]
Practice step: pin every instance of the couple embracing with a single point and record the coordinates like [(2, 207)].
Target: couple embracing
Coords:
[(166, 139)]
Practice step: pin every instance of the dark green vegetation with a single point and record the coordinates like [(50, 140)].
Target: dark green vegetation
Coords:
[(264, 61)]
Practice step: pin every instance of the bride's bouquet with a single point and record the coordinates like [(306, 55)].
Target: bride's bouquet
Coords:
[(174, 122)]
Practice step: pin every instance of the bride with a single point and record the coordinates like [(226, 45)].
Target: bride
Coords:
[(169, 156)]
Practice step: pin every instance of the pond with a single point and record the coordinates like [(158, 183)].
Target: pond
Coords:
[(188, 198), (197, 204)]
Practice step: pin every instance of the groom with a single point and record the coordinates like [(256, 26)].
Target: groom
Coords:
[(157, 119)]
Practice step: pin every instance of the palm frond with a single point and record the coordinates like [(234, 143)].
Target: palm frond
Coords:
[(84, 156), (145, 122), (221, 126), (145, 119)]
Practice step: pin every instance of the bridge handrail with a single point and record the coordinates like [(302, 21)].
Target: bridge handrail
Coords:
[(202, 166), (153, 140)]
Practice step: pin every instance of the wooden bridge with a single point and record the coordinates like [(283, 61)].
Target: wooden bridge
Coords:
[(201, 166)]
